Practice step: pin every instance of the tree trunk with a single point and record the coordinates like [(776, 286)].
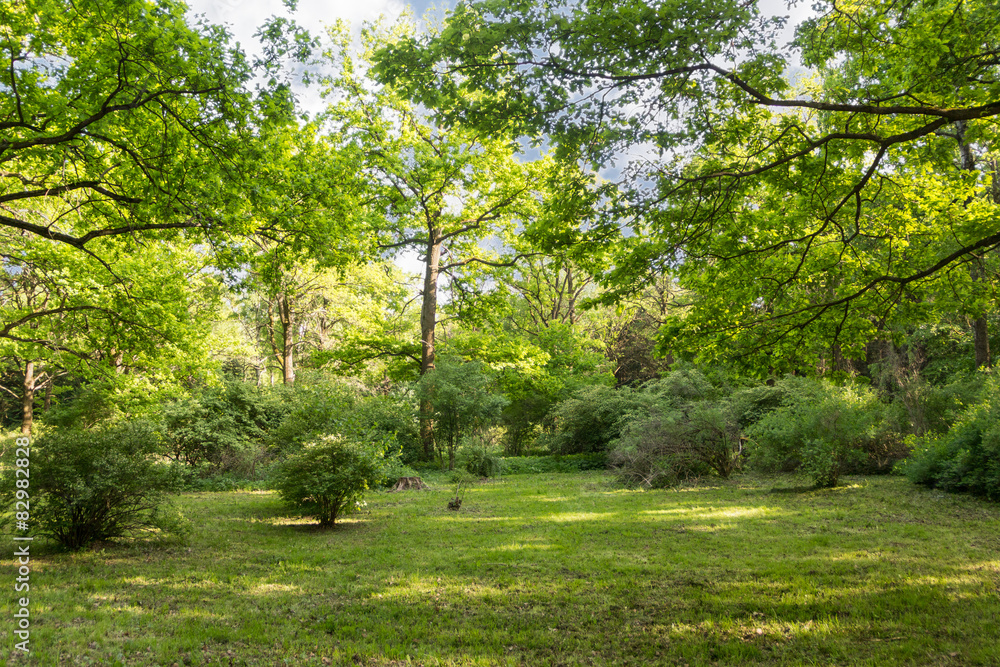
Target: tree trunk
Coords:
[(28, 402), (571, 295), (428, 309), (283, 351), (288, 339), (428, 323), (118, 359), (980, 328)]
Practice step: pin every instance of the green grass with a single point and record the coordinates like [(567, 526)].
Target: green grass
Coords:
[(542, 570)]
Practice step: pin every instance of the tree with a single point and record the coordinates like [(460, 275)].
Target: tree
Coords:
[(542, 342), (454, 197), (551, 289), (804, 214), (62, 311), (121, 118), (463, 401)]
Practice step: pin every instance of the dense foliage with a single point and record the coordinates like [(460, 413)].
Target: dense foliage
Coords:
[(462, 400), (222, 427), (825, 430), (967, 457), (329, 476), (91, 485)]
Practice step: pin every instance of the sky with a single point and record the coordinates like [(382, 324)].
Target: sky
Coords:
[(244, 16)]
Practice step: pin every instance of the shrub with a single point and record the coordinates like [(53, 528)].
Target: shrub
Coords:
[(595, 418), (674, 444), (313, 410), (751, 404), (681, 385), (592, 420), (329, 476), (218, 425), (98, 485), (821, 428), (967, 458), (482, 463), (939, 407), (653, 452)]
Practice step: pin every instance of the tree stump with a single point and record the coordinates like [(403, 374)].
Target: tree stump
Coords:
[(409, 484)]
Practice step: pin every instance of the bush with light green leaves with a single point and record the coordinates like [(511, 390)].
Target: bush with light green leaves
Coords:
[(823, 429), (330, 475)]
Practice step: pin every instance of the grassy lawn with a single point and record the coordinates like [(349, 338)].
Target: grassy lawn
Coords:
[(558, 569)]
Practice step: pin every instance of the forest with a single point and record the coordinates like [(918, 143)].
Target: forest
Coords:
[(550, 333)]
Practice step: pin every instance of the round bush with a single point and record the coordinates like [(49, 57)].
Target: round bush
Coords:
[(329, 476)]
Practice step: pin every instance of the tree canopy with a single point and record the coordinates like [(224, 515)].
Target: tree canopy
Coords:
[(116, 119), (821, 191)]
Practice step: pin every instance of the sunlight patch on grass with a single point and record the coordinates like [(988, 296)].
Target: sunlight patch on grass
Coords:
[(267, 589), (521, 546), (567, 517), (728, 513), (993, 565), (451, 517), (145, 581), (291, 521)]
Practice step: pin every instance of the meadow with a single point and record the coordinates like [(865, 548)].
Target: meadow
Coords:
[(543, 569)]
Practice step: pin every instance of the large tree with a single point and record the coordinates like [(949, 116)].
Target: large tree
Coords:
[(799, 210), (453, 197)]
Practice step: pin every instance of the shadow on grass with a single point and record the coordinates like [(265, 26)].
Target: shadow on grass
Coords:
[(793, 489)]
